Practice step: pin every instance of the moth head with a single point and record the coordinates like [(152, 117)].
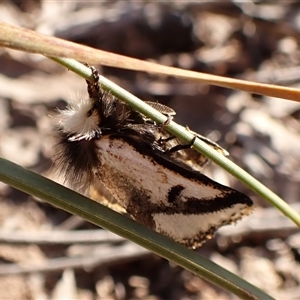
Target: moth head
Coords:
[(80, 120)]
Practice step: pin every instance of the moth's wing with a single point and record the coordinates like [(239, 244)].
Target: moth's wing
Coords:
[(99, 193), (164, 194)]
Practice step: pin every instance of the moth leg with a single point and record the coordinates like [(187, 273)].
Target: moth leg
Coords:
[(168, 121), (165, 140), (93, 88), (182, 147)]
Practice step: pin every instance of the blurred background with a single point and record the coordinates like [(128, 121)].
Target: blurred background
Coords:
[(248, 40)]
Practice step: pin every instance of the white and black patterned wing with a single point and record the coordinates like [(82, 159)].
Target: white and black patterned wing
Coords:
[(162, 194)]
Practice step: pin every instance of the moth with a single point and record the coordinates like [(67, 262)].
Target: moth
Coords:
[(104, 143)]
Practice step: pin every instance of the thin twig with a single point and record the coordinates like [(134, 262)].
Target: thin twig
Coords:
[(59, 237)]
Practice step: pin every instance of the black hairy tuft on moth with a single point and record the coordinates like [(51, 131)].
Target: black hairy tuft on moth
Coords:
[(103, 142)]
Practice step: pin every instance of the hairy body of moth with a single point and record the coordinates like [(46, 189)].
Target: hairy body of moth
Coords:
[(103, 142)]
